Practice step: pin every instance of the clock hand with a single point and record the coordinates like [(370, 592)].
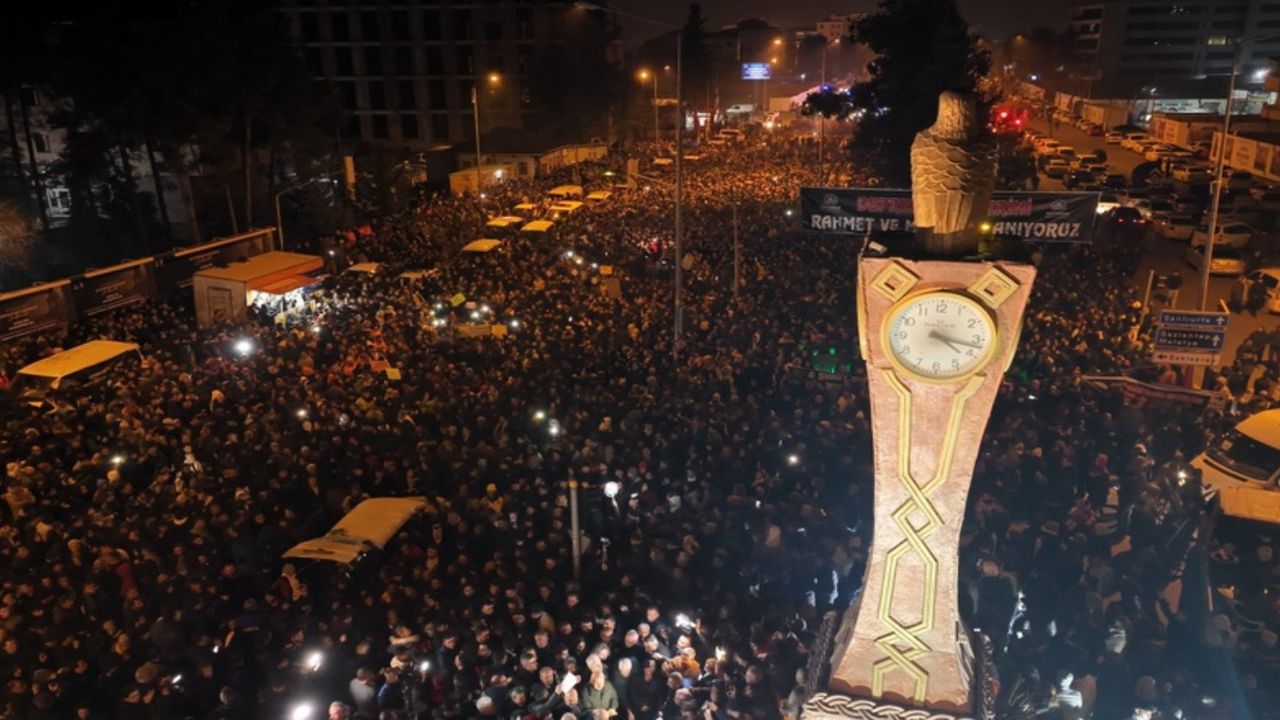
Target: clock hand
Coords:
[(950, 340)]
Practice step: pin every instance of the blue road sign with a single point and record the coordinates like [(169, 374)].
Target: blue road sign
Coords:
[(1179, 339), (1193, 319)]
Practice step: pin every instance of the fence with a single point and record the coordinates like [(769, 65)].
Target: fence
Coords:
[(56, 305)]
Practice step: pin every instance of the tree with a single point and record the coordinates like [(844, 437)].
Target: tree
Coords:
[(923, 47), (16, 240)]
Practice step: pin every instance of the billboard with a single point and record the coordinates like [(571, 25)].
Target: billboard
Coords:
[(1032, 216), (98, 291), (38, 309), (756, 71)]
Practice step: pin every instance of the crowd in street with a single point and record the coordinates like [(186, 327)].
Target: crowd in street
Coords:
[(146, 519)]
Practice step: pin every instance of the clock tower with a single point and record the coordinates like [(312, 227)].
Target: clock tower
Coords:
[(938, 327)]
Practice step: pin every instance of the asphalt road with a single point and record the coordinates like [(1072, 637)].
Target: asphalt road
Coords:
[(1164, 257)]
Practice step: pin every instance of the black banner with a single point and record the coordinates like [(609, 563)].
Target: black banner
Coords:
[(175, 269), (98, 291), (1031, 216), (47, 307)]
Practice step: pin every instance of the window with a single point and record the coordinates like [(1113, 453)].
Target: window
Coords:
[(373, 60), (435, 95), (404, 60), (440, 126), (466, 61), (310, 26), (350, 128), (409, 126), (1189, 25), (315, 61), (1159, 41), (430, 24), (341, 30), (493, 31), (347, 95), (1218, 40), (400, 25), (1166, 10), (435, 60), (346, 65), (377, 96), (408, 95), (461, 24), (59, 199), (369, 29), (381, 128), (42, 145)]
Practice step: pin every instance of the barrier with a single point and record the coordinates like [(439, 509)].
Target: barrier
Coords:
[(54, 306)]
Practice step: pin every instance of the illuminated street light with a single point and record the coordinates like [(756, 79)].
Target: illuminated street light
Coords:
[(777, 41)]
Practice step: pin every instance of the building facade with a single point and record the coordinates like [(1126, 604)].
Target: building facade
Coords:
[(1133, 42), (405, 69)]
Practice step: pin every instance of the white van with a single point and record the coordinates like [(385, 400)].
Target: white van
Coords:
[(81, 365), (1247, 456)]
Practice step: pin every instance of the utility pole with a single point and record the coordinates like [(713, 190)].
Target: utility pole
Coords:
[(475, 113)]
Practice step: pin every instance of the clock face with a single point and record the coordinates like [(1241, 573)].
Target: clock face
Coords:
[(940, 335)]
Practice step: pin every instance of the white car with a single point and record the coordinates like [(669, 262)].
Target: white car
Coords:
[(1175, 227), (1191, 173), (1236, 235), (1133, 141), (1108, 202), (1226, 260), (1154, 152), (1270, 279), (1114, 137)]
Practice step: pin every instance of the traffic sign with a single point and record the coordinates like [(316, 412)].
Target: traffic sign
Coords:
[(1194, 319), (1178, 338), (1209, 340), (1176, 357)]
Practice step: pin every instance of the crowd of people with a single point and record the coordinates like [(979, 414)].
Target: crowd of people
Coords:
[(148, 515)]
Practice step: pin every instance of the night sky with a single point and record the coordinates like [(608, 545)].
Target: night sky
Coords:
[(995, 18)]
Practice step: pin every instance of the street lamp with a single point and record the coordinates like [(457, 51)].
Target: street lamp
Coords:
[(679, 229), (822, 119), (493, 79), (1220, 165), (645, 75)]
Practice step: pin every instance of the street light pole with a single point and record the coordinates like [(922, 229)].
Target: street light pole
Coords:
[(1220, 166), (657, 136), (475, 113)]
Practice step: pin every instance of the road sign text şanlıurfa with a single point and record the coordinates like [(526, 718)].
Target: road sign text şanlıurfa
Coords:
[(1193, 319), (1178, 339)]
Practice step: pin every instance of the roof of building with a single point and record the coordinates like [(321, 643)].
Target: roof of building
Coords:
[(265, 267)]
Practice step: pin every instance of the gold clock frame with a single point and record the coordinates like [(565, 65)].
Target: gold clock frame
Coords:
[(978, 304)]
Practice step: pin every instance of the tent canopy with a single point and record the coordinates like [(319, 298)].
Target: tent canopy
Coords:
[(371, 524), (483, 245)]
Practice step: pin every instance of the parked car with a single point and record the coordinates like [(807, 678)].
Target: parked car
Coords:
[(1124, 216), (1226, 260), (1113, 137), (1235, 235), (1155, 151), (1074, 179), (1189, 173), (1175, 227), (1094, 130), (1186, 204), (1056, 168), (1133, 141), (1108, 202)]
